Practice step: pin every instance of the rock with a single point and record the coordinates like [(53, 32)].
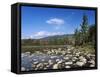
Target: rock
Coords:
[(43, 60), (66, 58), (45, 68), (92, 62), (68, 63), (48, 66), (49, 52), (59, 61), (55, 66), (63, 53), (67, 67), (59, 49), (35, 62), (33, 65), (50, 62), (70, 55), (45, 63), (92, 55), (27, 53), (88, 55), (69, 49), (92, 65), (53, 57), (35, 59), (23, 69), (74, 58), (68, 52), (83, 59), (80, 63), (52, 51), (39, 65), (77, 54), (22, 55), (32, 55)]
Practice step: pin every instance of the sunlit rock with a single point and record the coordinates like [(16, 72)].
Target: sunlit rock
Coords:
[(50, 62), (92, 62), (68, 63), (92, 65), (35, 62), (55, 66), (67, 66), (57, 60), (80, 63), (83, 59), (39, 65), (66, 58), (60, 61)]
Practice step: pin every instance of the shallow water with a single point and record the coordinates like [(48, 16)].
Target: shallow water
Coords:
[(28, 60)]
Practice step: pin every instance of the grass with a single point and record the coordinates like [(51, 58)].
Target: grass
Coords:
[(86, 48)]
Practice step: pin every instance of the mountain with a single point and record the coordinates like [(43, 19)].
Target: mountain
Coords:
[(50, 40), (57, 37)]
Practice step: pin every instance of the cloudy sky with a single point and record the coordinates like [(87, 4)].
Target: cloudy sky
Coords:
[(38, 22)]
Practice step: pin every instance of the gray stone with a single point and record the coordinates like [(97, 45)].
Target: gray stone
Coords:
[(55, 66), (80, 63), (83, 59), (67, 66), (92, 65), (68, 63), (23, 69)]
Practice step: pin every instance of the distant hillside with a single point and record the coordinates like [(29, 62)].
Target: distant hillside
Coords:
[(57, 37), (50, 40)]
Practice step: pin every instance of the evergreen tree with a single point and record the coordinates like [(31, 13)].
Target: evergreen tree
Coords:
[(92, 34), (76, 35), (84, 29), (81, 36)]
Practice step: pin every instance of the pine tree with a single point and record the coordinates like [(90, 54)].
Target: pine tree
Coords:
[(76, 35), (84, 29), (81, 36)]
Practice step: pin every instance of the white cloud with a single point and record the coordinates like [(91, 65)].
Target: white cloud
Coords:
[(42, 34), (55, 21)]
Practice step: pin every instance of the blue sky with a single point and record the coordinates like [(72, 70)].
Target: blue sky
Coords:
[(38, 22)]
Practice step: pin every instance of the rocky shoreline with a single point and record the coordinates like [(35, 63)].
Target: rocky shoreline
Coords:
[(59, 58)]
